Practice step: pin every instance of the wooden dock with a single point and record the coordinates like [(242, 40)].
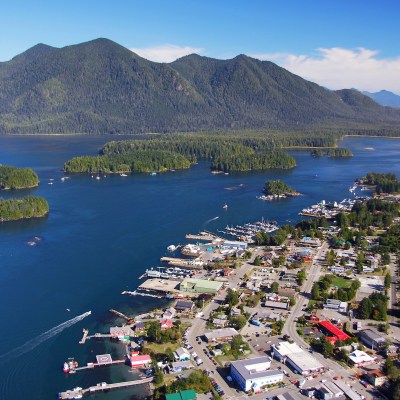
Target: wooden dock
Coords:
[(75, 393), (93, 365), (120, 314)]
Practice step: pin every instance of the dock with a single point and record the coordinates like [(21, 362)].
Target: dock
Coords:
[(181, 262), (84, 337), (78, 392), (120, 314), (93, 365)]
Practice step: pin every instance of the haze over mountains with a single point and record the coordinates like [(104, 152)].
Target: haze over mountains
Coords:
[(385, 98), (102, 87)]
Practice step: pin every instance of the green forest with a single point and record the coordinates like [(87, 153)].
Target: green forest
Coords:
[(27, 207), (17, 178), (134, 161), (277, 187), (384, 183), (339, 152)]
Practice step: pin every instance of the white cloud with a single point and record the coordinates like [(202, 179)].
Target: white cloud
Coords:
[(339, 68), (165, 52)]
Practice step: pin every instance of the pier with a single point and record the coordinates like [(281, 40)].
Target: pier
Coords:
[(84, 337), (120, 314), (78, 392), (181, 262)]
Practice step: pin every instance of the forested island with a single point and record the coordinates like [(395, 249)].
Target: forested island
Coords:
[(278, 187), (27, 207), (337, 152), (17, 178), (384, 183), (226, 153)]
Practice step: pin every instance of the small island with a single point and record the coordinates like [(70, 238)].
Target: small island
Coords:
[(17, 178), (380, 182), (277, 189), (27, 207), (336, 152)]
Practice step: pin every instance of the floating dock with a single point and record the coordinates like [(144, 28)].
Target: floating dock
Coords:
[(78, 392), (120, 314)]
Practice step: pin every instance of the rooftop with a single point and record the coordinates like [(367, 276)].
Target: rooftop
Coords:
[(358, 356), (254, 368), (286, 348), (221, 333), (370, 334)]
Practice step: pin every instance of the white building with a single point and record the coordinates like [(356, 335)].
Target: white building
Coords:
[(337, 305), (254, 373), (291, 354), (360, 358)]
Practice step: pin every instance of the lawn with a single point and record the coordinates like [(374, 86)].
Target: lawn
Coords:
[(160, 348), (341, 282)]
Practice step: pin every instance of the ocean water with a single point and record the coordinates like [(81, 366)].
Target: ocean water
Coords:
[(102, 234)]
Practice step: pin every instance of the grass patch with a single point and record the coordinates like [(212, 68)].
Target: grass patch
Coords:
[(161, 347), (341, 283)]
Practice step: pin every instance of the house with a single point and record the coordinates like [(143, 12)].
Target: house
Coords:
[(184, 306), (166, 324), (178, 366), (337, 305), (169, 313), (376, 377), (181, 354), (277, 304), (221, 335), (218, 322), (235, 312), (139, 326), (139, 361), (228, 271), (254, 373)]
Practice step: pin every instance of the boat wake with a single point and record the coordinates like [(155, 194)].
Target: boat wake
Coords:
[(31, 344), (210, 220)]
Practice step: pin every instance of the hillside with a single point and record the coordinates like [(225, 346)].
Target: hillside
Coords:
[(102, 87)]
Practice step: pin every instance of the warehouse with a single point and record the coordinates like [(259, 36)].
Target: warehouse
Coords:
[(253, 374), (333, 333), (221, 335), (371, 339), (200, 286), (301, 361)]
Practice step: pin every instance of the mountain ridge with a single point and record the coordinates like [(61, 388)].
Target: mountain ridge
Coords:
[(101, 87), (384, 98)]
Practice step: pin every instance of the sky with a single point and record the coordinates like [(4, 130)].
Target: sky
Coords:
[(335, 43)]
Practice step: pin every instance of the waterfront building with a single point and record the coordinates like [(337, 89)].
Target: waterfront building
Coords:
[(140, 361), (184, 306), (200, 286), (254, 373)]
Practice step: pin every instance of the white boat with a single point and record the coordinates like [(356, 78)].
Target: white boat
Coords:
[(171, 247), (50, 183), (225, 206), (98, 178), (123, 175)]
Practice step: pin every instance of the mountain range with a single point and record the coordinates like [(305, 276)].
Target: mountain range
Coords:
[(385, 98), (102, 87)]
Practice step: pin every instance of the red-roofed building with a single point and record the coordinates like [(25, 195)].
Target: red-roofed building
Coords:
[(166, 324), (140, 361), (332, 332)]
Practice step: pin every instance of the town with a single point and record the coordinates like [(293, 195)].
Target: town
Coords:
[(307, 311)]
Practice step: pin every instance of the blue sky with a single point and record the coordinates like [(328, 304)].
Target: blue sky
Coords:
[(337, 43)]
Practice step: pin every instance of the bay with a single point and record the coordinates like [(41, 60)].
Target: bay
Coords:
[(102, 234)]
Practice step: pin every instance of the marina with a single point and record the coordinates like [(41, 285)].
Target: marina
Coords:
[(247, 231)]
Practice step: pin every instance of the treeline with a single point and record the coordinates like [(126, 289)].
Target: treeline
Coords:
[(373, 307), (134, 161), (384, 183), (277, 187), (253, 162), (339, 152), (322, 289), (17, 178), (373, 212), (27, 207)]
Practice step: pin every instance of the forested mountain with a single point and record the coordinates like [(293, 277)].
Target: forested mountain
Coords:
[(102, 87)]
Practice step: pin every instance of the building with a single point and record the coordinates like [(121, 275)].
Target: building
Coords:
[(182, 395), (359, 358), (376, 377), (288, 396), (328, 390), (184, 306), (221, 335), (291, 354), (200, 286), (371, 339), (281, 305), (181, 354), (178, 366), (332, 332), (309, 242), (218, 322), (139, 326), (254, 373), (140, 361), (121, 332), (337, 305), (166, 324), (169, 313), (233, 245)]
